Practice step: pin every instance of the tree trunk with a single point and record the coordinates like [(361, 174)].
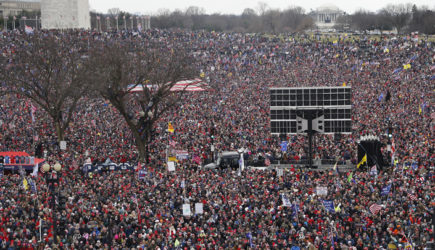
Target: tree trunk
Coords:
[(60, 131), (140, 145)]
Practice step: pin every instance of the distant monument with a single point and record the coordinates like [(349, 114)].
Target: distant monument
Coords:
[(65, 14), (326, 16)]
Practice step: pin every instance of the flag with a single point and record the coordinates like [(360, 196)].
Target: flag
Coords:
[(32, 112), (196, 159), (344, 84), (172, 143), (380, 97), (285, 201), (35, 170), (329, 205), (249, 236), (335, 167), (397, 70), (386, 190), (170, 128), (374, 170), (33, 186), (412, 197), (406, 66), (419, 110), (295, 209), (25, 184), (349, 178), (363, 160), (28, 29), (375, 208), (337, 208), (331, 236), (284, 145)]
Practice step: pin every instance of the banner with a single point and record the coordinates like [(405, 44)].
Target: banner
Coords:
[(199, 208), (285, 201), (186, 210), (171, 166), (322, 190), (142, 174), (89, 167), (182, 154), (329, 205)]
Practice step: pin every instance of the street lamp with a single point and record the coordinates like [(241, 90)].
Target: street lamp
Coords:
[(51, 178)]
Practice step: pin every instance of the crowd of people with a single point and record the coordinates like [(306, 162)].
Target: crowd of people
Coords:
[(115, 209)]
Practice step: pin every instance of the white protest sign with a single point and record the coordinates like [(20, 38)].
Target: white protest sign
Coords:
[(186, 210), (322, 190), (280, 172), (62, 145), (199, 208), (171, 166)]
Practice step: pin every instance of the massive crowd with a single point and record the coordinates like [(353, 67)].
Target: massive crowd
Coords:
[(117, 210)]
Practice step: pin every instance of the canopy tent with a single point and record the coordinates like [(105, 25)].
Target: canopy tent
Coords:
[(24, 160), (187, 85)]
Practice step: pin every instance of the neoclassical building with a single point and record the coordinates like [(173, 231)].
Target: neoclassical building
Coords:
[(326, 15), (15, 7)]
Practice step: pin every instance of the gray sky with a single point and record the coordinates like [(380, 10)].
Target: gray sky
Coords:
[(237, 6)]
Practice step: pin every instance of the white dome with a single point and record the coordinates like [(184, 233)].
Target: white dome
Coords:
[(328, 8)]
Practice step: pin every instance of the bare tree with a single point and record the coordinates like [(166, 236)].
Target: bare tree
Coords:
[(120, 67), (48, 71), (399, 14)]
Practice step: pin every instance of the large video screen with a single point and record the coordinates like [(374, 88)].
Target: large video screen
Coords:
[(335, 103)]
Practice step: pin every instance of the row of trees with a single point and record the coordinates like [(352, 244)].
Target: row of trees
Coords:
[(269, 20), (403, 17), (56, 74)]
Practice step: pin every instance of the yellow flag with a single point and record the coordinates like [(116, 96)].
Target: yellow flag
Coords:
[(170, 128), (172, 158), (344, 84), (419, 110), (25, 184), (202, 74), (363, 160)]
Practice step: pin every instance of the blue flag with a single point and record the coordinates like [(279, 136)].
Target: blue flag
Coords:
[(381, 97), (284, 145), (397, 70), (386, 190), (249, 236), (295, 209), (329, 206)]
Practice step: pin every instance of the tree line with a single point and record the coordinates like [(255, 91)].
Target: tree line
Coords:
[(405, 18)]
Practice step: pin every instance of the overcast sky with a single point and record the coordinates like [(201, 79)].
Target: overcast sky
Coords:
[(237, 6)]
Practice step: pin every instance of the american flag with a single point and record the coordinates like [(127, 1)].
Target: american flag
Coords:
[(172, 143), (134, 199), (412, 197), (375, 208)]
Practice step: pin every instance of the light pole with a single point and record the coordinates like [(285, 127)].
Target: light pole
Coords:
[(51, 178), (241, 151)]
